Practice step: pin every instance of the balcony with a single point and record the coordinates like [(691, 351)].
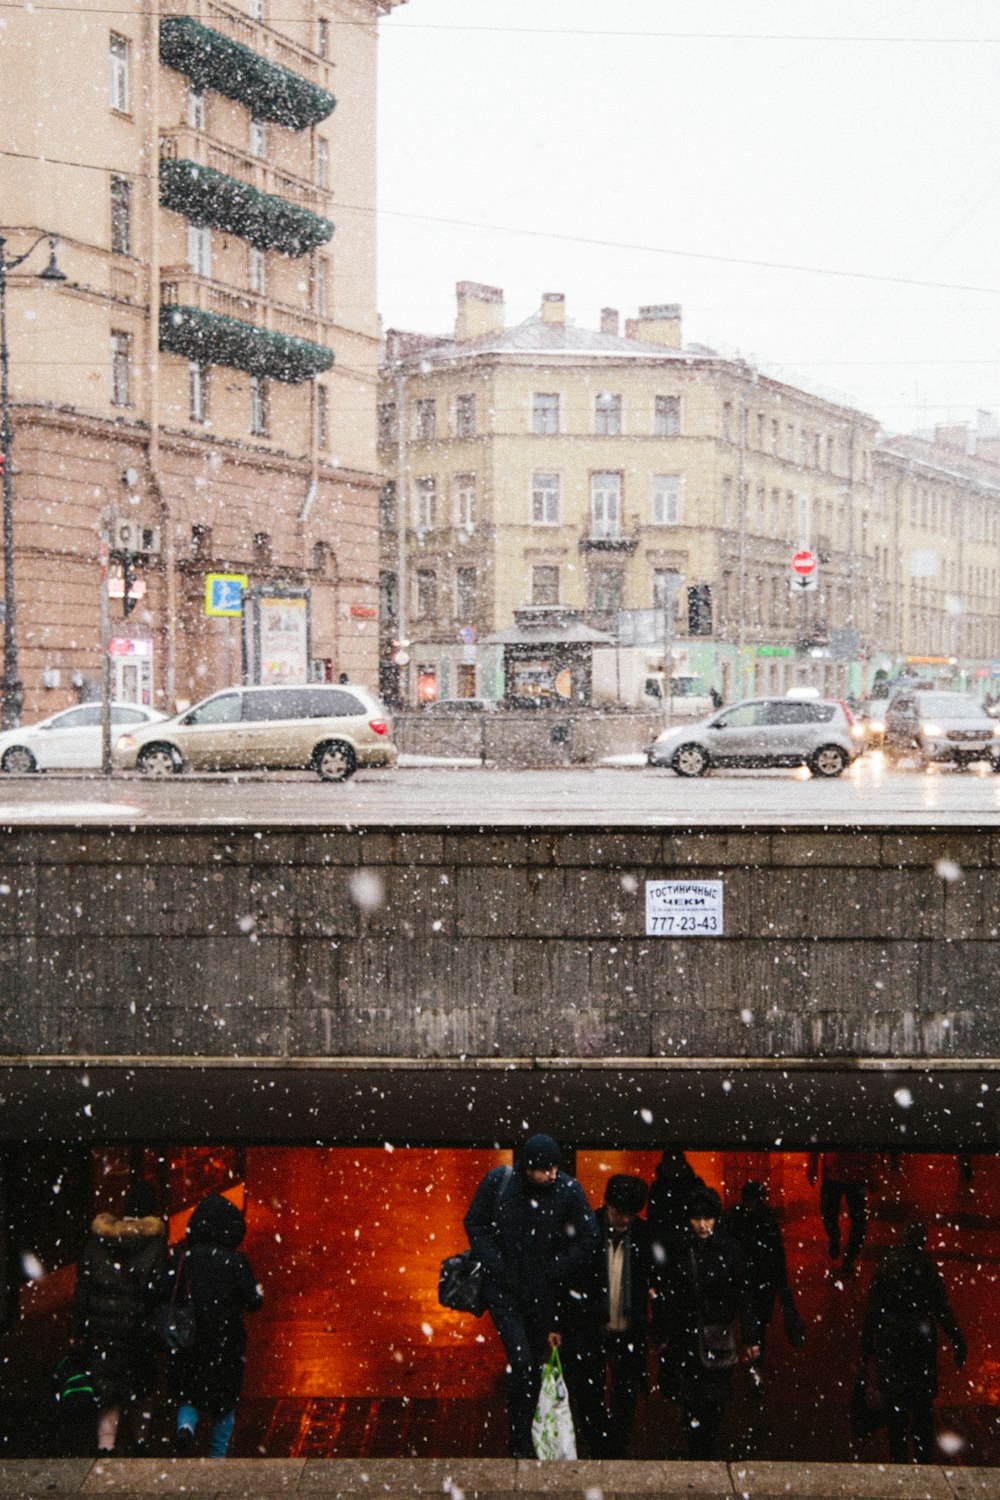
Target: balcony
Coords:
[(269, 89), (604, 542), (206, 321), (206, 196), (185, 144)]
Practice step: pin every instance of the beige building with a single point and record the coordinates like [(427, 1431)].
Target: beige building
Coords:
[(207, 369), (551, 464)]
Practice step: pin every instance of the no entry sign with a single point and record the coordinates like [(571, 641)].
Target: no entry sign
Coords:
[(804, 563)]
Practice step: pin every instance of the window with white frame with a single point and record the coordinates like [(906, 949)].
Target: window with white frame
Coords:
[(322, 36), (666, 416), (425, 503), (258, 139), (256, 10), (668, 504), (464, 497), (466, 581), (607, 414), (425, 420), (322, 417), (544, 414), (465, 416), (322, 162), (666, 588), (545, 583), (605, 504), (259, 405), (121, 348), (200, 249), (257, 271), (545, 499), (118, 60), (197, 391), (196, 109), (427, 591)]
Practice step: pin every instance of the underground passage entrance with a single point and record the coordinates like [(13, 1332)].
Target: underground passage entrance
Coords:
[(351, 1355)]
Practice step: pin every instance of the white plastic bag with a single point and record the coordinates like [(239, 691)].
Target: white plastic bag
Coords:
[(552, 1429)]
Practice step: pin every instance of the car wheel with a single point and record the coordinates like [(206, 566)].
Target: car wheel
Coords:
[(159, 761), (829, 760), (690, 760), (19, 760), (335, 761)]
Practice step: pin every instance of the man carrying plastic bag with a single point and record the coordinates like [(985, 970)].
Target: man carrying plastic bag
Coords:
[(552, 1429)]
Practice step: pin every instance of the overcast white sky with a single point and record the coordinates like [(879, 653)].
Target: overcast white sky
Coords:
[(635, 151)]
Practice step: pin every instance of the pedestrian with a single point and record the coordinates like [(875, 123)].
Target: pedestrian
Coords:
[(118, 1283), (753, 1224), (667, 1216), (533, 1230), (208, 1374), (844, 1178), (906, 1305), (608, 1322), (700, 1315)]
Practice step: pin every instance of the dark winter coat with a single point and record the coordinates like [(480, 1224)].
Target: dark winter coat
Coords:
[(209, 1374), (587, 1305), (118, 1283), (701, 1282), (669, 1196), (906, 1304), (757, 1232), (534, 1240)]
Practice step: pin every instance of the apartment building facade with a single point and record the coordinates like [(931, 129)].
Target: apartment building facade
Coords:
[(207, 369)]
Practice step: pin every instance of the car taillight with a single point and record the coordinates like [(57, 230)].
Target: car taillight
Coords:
[(847, 711), (379, 726)]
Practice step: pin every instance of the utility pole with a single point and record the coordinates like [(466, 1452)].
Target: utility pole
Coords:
[(741, 572), (401, 505), (106, 649)]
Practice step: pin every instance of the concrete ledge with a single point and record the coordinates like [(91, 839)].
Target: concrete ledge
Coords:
[(489, 1479)]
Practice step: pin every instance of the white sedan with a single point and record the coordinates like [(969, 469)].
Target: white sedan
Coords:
[(70, 740)]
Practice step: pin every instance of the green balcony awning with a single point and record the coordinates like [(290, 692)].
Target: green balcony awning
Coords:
[(211, 338), (206, 196), (213, 61)]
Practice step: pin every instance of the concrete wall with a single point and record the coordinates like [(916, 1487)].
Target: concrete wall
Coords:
[(526, 737), (495, 944)]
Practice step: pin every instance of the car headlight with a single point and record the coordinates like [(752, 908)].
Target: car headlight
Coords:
[(933, 730), (126, 742), (996, 728), (858, 731), (877, 726)]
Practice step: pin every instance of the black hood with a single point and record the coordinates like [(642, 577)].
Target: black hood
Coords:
[(216, 1221)]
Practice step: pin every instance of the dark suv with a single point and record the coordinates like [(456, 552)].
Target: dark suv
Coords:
[(941, 728)]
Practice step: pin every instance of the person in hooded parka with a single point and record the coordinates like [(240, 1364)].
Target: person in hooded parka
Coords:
[(906, 1305), (118, 1283), (208, 1375)]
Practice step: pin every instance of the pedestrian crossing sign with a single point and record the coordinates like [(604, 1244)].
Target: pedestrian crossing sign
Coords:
[(224, 593)]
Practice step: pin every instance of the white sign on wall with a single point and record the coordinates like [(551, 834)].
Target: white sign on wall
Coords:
[(684, 908)]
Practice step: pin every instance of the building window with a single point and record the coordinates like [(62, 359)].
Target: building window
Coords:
[(425, 503), (322, 36), (666, 585), (262, 556), (196, 109), (666, 416), (760, 430), (197, 391), (545, 584), (700, 609), (727, 503), (118, 76), (258, 139), (121, 216), (789, 441), (200, 249), (322, 416), (320, 281), (388, 515), (425, 420), (322, 162), (427, 593), (605, 505), (803, 520), (775, 436), (121, 344), (727, 421), (668, 507), (256, 9), (258, 406), (465, 595), (544, 414), (387, 431), (464, 494), (465, 416), (606, 590), (607, 415), (257, 271), (201, 542), (545, 499)]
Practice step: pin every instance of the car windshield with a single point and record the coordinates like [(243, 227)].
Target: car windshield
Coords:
[(949, 706)]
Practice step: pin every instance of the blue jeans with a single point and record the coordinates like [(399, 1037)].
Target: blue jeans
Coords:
[(222, 1428)]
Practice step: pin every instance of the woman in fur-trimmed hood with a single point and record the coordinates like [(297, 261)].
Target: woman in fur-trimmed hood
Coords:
[(118, 1283)]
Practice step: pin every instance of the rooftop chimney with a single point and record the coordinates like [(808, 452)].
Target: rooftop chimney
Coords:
[(479, 310), (659, 323), (609, 320), (553, 307)]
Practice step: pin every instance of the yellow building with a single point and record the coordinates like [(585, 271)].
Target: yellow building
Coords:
[(206, 372), (599, 469)]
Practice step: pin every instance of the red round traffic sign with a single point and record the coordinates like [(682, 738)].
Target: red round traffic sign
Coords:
[(804, 563)]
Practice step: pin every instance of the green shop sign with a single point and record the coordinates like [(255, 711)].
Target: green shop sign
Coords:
[(774, 650)]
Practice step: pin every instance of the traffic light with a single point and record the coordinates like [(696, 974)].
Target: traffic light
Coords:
[(700, 609), (128, 578)]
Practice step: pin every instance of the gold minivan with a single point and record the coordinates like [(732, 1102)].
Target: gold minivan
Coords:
[(330, 729)]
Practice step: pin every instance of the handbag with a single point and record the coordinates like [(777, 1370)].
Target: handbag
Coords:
[(552, 1433), (173, 1323), (462, 1279), (718, 1346), (867, 1410)]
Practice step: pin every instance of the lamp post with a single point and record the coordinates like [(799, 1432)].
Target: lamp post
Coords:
[(12, 689)]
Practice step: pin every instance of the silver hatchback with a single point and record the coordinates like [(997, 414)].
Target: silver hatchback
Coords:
[(814, 732)]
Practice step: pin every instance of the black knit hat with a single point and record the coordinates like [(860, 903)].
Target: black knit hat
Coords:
[(541, 1152), (626, 1193), (140, 1200), (704, 1203)]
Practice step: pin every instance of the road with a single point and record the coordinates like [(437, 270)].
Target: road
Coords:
[(866, 796)]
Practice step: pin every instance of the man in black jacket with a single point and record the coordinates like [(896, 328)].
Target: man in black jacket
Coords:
[(753, 1224), (609, 1317), (532, 1228)]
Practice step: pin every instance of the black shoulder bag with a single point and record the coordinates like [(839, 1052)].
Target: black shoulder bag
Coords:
[(718, 1346), (172, 1323), (462, 1282)]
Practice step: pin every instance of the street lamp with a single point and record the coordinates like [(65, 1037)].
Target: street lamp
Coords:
[(12, 689)]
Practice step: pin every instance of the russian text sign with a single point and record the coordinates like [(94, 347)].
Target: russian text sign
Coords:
[(683, 908)]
